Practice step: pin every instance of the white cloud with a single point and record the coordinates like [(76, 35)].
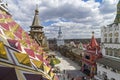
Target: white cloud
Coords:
[(77, 18)]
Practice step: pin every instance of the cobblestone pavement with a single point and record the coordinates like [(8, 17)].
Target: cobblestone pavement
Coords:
[(66, 64)]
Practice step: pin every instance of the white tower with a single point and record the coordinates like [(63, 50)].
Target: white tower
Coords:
[(60, 40)]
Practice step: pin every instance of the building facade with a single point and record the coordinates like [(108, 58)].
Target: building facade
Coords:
[(108, 67)]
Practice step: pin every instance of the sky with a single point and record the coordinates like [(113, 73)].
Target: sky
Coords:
[(77, 18)]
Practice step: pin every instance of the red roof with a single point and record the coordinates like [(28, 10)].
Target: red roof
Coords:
[(93, 45)]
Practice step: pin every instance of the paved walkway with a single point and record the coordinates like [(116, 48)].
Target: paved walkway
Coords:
[(66, 63)]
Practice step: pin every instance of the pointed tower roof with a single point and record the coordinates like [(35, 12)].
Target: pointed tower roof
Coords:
[(59, 32), (117, 18), (36, 21), (93, 45), (80, 46)]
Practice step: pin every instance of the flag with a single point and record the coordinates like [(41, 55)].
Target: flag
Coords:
[(30, 52), (3, 53), (23, 58), (15, 44)]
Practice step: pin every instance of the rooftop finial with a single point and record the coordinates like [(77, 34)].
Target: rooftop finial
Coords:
[(36, 11), (93, 33)]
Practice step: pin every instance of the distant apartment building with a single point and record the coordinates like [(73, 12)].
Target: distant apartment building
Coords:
[(108, 67)]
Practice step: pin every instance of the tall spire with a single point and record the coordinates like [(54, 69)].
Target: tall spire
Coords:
[(59, 32), (117, 18), (36, 21), (36, 29), (93, 42)]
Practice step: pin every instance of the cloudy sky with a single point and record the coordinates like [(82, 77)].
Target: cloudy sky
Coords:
[(78, 18)]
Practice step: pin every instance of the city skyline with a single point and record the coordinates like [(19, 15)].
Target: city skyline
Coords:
[(77, 20)]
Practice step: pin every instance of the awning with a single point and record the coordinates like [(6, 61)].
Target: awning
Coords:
[(110, 63), (32, 76), (7, 73)]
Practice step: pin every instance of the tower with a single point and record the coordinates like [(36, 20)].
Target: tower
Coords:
[(117, 18), (59, 33), (92, 53), (36, 29), (60, 40)]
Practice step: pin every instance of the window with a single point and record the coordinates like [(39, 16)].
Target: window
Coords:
[(105, 35), (110, 52), (106, 51), (110, 40), (119, 53), (116, 53), (105, 40), (87, 57), (116, 40)]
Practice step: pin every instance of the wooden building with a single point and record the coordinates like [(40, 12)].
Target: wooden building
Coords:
[(36, 31)]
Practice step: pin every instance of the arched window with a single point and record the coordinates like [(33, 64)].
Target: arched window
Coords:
[(116, 40), (116, 52), (111, 52), (106, 51), (105, 40), (110, 40)]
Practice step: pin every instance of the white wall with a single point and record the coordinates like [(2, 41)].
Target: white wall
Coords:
[(110, 73)]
